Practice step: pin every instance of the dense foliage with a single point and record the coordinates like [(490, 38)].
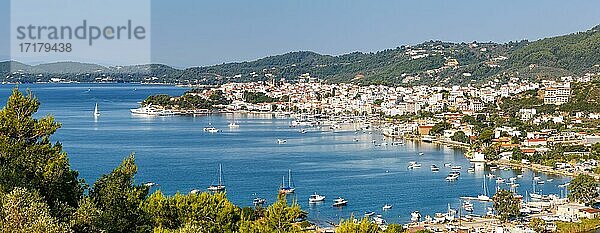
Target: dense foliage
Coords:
[(506, 205), (583, 189), (187, 101)]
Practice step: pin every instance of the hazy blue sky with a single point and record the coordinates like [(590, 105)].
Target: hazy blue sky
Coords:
[(198, 32)]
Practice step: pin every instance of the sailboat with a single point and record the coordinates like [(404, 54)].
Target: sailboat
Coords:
[(232, 124), (484, 196), (96, 112), (289, 188), (220, 186)]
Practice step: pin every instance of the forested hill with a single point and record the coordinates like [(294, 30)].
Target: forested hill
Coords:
[(430, 62)]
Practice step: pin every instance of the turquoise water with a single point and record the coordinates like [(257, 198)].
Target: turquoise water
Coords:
[(177, 154)]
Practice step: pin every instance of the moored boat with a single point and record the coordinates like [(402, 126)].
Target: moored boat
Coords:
[(316, 198), (338, 202)]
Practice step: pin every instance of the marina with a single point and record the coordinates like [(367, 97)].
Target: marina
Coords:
[(177, 153)]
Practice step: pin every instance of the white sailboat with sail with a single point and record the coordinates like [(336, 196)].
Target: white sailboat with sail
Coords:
[(96, 111)]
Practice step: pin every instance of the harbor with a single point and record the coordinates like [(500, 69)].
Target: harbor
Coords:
[(353, 162)]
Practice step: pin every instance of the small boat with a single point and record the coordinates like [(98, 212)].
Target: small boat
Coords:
[(471, 170), (150, 184), (536, 196), (468, 206), (338, 202), (413, 165), (491, 176), (537, 178), (514, 185), (447, 165), (499, 180), (281, 141), (512, 179), (220, 186), (369, 214), (439, 218), (96, 111), (233, 125), (379, 220), (397, 143), (519, 176), (451, 177), (259, 201), (494, 168), (356, 140), (421, 153), (415, 216), (303, 131), (541, 182), (210, 129), (195, 191), (563, 185), (549, 180), (316, 198), (435, 168), (457, 168), (483, 198), (387, 207)]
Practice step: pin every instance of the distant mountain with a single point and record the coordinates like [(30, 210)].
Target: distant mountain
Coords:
[(429, 62)]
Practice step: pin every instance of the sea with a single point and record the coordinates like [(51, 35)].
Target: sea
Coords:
[(177, 154)]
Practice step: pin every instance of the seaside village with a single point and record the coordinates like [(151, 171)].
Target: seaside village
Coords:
[(412, 113)]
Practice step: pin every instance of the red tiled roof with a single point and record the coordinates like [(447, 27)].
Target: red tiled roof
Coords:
[(591, 210)]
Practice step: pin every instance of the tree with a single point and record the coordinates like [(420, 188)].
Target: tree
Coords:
[(439, 128), (352, 226), (206, 211), (28, 159), (24, 211), (486, 136), (87, 217), (505, 204), (583, 189), (538, 225), (277, 218), (460, 136), (394, 228), (119, 199)]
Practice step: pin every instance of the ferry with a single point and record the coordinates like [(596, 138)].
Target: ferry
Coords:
[(316, 198), (338, 202)]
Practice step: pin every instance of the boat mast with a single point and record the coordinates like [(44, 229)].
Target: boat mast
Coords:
[(220, 176), (290, 178)]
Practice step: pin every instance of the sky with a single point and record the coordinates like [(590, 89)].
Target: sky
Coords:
[(198, 32)]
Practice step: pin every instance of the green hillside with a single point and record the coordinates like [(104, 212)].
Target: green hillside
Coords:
[(425, 63)]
